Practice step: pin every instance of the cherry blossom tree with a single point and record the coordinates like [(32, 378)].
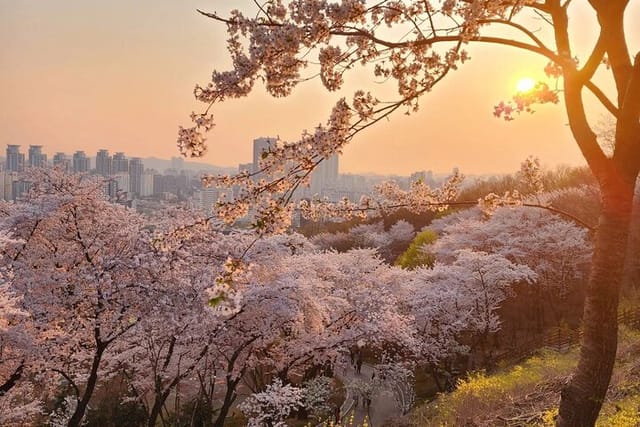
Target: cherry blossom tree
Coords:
[(18, 402), (74, 267), (316, 398), (389, 243), (272, 406), (557, 250), (300, 312), (397, 379), (415, 44), (463, 296), (13, 341), (175, 341)]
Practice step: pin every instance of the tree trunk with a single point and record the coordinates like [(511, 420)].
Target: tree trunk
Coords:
[(12, 380), (229, 398), (157, 407), (631, 279), (584, 394), (78, 414)]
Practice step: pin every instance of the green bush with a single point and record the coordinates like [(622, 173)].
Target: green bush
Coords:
[(414, 256)]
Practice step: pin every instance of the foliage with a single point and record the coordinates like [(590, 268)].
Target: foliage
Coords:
[(416, 255), (387, 242), (558, 251), (525, 393), (92, 292), (626, 413), (272, 406), (89, 297), (316, 396), (480, 395), (462, 297), (414, 45)]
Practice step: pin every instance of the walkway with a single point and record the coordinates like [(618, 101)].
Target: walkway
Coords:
[(382, 407)]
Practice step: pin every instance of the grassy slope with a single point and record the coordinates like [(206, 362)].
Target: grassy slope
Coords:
[(527, 394)]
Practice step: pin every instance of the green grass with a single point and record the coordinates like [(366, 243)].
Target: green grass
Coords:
[(528, 394), (480, 397)]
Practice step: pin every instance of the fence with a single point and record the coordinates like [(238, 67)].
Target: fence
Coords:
[(563, 339)]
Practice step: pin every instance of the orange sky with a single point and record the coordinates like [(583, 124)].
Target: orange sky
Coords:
[(86, 75)]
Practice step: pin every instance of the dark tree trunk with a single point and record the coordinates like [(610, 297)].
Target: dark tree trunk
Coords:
[(157, 407), (583, 396), (76, 418), (12, 380), (229, 398), (632, 268)]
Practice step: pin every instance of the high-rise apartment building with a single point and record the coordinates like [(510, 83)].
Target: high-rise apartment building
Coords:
[(15, 159), (120, 163), (123, 182), (60, 160), (146, 184), (104, 162), (19, 187), (206, 198), (136, 169), (81, 163), (36, 158), (324, 176)]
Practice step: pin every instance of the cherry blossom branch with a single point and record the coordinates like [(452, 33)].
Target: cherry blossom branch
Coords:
[(69, 380), (12, 380), (518, 27), (448, 204), (360, 32)]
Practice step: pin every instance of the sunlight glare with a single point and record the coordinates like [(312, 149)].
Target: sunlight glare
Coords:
[(525, 84)]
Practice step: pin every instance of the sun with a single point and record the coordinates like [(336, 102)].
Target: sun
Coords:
[(525, 84)]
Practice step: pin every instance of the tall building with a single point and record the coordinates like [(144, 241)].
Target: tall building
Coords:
[(120, 163), (324, 176), (136, 169), (174, 184), (146, 184), (260, 145), (110, 188), (36, 158), (4, 177), (7, 188), (81, 163), (60, 160), (104, 162), (122, 179), (19, 188), (206, 198), (15, 159)]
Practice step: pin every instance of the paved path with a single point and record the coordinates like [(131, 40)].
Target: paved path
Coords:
[(382, 405)]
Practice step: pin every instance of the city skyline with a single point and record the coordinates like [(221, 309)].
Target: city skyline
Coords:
[(126, 179), (192, 164), (136, 66)]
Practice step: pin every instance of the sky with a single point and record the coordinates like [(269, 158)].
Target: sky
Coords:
[(86, 75)]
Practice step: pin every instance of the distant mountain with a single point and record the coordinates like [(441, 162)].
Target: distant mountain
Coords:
[(162, 164)]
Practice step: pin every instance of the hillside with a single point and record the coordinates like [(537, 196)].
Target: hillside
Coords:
[(528, 394)]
